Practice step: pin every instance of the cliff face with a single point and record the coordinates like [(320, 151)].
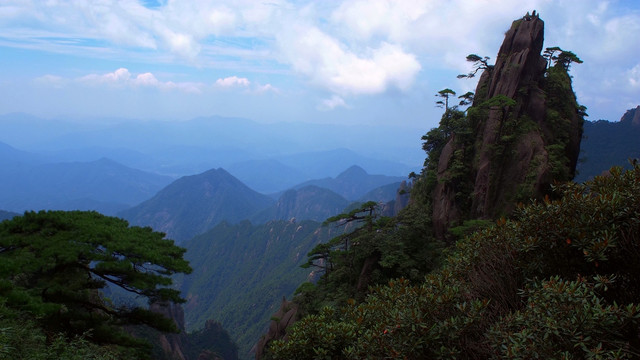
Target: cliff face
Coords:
[(631, 117), (518, 66), (171, 344), (280, 321), (524, 132)]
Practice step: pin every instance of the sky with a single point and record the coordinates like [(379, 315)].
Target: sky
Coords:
[(373, 62)]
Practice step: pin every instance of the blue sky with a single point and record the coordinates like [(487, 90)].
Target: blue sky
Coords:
[(353, 61)]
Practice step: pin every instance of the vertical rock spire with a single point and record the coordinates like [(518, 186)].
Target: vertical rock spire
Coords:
[(526, 131)]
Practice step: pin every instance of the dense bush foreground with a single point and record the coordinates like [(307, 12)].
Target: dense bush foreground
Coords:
[(559, 280)]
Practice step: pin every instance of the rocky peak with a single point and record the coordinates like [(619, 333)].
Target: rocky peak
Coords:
[(519, 61), (522, 133)]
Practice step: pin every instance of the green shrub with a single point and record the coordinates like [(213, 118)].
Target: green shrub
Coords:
[(557, 281)]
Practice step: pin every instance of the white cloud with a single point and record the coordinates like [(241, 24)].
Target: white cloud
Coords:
[(179, 43), (119, 77), (389, 19), (146, 79), (332, 103), (331, 64), (232, 81), (348, 47), (122, 77)]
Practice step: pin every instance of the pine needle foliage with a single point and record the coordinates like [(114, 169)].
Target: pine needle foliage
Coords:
[(54, 264)]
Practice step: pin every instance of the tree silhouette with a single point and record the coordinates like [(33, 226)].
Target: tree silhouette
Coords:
[(466, 98), (563, 58), (479, 63), (444, 95)]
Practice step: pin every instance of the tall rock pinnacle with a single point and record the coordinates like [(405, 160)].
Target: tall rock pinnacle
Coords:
[(524, 130)]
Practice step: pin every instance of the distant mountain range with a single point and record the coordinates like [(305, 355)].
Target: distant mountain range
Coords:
[(193, 204), (179, 148), (353, 183), (382, 194), (284, 172), (29, 182)]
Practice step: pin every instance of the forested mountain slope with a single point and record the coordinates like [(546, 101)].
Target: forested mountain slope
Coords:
[(307, 203), (193, 204), (242, 272)]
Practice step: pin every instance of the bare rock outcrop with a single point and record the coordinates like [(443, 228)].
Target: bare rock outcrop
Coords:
[(280, 321), (526, 129), (518, 65), (172, 344)]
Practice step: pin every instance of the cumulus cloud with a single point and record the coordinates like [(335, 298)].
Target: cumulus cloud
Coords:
[(232, 81), (123, 78), (146, 79), (331, 64), (119, 77)]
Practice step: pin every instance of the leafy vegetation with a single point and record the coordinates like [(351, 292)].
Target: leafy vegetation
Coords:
[(372, 250), (54, 264), (21, 337), (555, 281)]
